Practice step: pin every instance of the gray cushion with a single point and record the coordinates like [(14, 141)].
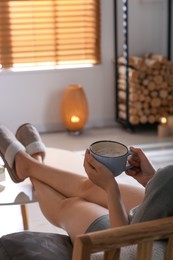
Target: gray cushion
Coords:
[(48, 246), (35, 245)]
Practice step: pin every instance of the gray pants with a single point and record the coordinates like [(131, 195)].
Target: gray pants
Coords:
[(99, 224)]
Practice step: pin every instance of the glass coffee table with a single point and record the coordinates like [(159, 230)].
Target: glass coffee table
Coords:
[(23, 193), (17, 194)]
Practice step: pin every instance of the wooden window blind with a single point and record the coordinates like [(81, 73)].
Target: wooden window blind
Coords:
[(49, 33)]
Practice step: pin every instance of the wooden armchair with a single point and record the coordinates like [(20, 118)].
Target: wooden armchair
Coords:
[(110, 241)]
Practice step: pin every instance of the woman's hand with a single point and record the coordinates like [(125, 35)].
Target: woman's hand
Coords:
[(142, 169), (97, 172), (103, 177)]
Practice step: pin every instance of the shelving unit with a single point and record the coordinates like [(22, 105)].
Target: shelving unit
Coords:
[(125, 122)]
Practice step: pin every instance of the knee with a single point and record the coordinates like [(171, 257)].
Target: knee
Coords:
[(86, 188), (61, 211), (68, 202)]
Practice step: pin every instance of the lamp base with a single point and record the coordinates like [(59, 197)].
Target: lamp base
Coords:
[(2, 173), (76, 133)]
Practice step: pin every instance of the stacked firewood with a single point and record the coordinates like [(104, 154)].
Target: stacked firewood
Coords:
[(150, 88)]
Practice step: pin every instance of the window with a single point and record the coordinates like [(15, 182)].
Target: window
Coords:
[(49, 33)]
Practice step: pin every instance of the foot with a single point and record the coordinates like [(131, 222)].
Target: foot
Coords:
[(28, 135), (9, 148)]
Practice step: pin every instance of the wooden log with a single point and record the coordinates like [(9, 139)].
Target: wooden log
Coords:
[(148, 99), (156, 72), (156, 102), (158, 79), (171, 110), (151, 86), (141, 98), (153, 111), (151, 119), (158, 118), (122, 107), (164, 85), (145, 91), (122, 95), (134, 96), (143, 119), (134, 120), (133, 111), (122, 115), (133, 61), (161, 111), (163, 93), (131, 83), (147, 111), (145, 82), (152, 64), (170, 79), (154, 94), (149, 72), (150, 90), (163, 72), (170, 98), (137, 105), (145, 105), (140, 112), (164, 102), (142, 75), (156, 57), (132, 87), (133, 74)]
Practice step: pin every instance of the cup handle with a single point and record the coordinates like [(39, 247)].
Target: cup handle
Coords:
[(128, 167)]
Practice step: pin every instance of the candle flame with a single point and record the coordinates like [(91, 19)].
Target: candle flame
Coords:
[(163, 120), (75, 119)]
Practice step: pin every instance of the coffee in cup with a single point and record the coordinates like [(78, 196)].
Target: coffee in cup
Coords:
[(112, 154)]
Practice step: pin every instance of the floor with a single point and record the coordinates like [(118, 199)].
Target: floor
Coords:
[(159, 150)]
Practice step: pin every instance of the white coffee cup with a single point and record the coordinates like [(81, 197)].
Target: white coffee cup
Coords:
[(112, 154)]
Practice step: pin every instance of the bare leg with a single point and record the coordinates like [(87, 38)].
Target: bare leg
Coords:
[(72, 185), (66, 212), (72, 214)]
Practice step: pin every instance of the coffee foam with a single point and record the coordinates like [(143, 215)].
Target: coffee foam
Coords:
[(108, 152), (109, 149)]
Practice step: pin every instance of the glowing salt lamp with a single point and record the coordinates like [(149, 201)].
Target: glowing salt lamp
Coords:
[(74, 108)]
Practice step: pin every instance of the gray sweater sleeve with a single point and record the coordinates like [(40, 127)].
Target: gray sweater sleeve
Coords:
[(158, 200)]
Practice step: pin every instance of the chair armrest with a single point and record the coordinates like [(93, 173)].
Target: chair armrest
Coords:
[(111, 240)]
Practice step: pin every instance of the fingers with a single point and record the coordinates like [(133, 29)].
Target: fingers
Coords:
[(133, 172), (139, 152), (144, 161), (138, 157), (134, 159), (86, 163), (91, 167), (90, 163)]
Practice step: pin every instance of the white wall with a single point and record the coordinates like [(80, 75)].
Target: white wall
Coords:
[(147, 26), (35, 96)]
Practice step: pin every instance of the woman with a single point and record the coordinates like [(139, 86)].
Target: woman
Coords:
[(75, 203)]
